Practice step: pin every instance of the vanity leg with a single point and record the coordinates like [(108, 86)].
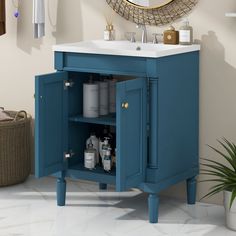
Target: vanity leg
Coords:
[(191, 190), (153, 204), (61, 191), (102, 186)]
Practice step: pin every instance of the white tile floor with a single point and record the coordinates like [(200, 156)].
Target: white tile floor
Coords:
[(30, 209)]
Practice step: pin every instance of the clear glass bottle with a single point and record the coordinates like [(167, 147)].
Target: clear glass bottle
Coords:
[(107, 163), (90, 156), (105, 147), (95, 143), (186, 33)]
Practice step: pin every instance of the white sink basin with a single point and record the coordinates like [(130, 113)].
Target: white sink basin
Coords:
[(125, 48)]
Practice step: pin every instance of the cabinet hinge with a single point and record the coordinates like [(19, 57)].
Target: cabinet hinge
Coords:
[(68, 155), (68, 84)]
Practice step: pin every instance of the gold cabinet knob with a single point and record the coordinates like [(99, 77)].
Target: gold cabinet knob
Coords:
[(125, 105)]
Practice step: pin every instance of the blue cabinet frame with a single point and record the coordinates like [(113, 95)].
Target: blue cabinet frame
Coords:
[(157, 137)]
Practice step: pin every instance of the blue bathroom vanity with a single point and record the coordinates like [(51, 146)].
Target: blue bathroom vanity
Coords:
[(156, 120)]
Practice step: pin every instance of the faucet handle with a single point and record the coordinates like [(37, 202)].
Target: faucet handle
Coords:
[(130, 36), (155, 40)]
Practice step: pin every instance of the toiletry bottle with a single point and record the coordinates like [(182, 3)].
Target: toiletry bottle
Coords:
[(90, 157), (95, 143), (171, 36), (103, 98), (105, 146), (90, 99), (107, 163), (102, 134), (186, 33)]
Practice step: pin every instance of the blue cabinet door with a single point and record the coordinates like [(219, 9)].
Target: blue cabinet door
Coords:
[(131, 133), (50, 123)]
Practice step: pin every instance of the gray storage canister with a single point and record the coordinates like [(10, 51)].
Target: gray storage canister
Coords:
[(15, 141)]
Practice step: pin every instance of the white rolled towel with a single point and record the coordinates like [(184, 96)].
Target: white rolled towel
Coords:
[(39, 18), (4, 116)]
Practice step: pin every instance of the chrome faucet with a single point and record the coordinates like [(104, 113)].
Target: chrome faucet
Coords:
[(144, 32)]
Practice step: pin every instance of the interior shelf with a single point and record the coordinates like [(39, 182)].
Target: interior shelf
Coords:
[(102, 120), (97, 175)]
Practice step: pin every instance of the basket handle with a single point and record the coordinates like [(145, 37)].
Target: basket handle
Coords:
[(20, 112)]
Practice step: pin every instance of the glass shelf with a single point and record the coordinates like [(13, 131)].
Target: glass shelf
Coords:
[(102, 120)]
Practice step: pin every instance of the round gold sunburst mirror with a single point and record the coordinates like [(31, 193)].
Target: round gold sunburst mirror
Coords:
[(152, 12)]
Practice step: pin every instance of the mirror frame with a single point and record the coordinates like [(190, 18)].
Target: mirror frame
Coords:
[(153, 7), (157, 16)]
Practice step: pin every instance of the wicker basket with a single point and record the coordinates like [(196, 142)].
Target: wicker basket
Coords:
[(15, 148)]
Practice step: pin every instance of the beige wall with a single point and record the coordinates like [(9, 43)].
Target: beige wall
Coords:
[(22, 57)]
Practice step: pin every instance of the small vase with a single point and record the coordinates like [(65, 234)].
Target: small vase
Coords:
[(230, 214)]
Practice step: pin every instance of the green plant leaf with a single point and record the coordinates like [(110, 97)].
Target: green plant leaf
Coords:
[(221, 170), (222, 175), (225, 156), (227, 185), (232, 148), (219, 164), (233, 196), (213, 173), (211, 180), (229, 150), (216, 174), (213, 192)]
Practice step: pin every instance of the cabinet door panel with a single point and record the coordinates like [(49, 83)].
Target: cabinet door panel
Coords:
[(131, 133), (50, 123)]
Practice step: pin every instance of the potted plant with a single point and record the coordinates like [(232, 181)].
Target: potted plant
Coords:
[(224, 177)]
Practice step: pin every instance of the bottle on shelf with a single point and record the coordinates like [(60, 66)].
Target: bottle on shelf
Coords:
[(104, 146), (90, 99), (103, 132), (90, 157), (103, 98), (95, 143), (107, 162)]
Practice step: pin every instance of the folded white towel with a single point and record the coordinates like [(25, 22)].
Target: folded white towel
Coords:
[(39, 18), (4, 116)]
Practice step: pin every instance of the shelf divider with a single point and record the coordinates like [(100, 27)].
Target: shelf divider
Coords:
[(102, 120)]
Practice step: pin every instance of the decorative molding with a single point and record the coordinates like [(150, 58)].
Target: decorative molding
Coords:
[(159, 16)]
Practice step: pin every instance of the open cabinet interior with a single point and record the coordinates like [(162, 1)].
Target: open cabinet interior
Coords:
[(62, 129), (80, 128)]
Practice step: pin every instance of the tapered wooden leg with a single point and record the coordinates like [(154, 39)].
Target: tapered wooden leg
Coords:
[(102, 186), (61, 192), (153, 204), (191, 190)]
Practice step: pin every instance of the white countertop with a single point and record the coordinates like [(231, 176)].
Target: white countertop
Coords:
[(125, 48)]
